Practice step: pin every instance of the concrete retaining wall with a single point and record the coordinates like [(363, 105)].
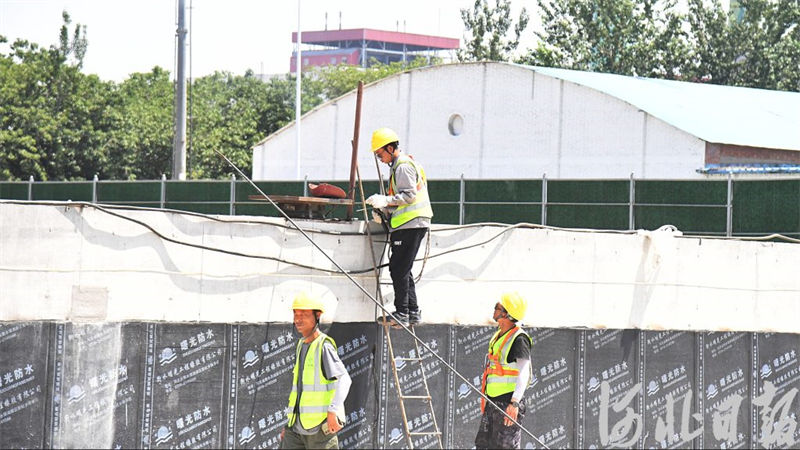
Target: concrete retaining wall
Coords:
[(76, 262), (118, 330)]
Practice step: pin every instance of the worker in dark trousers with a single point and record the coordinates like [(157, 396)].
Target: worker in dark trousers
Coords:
[(506, 375), (409, 212)]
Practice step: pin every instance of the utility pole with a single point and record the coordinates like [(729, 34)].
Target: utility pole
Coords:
[(179, 149)]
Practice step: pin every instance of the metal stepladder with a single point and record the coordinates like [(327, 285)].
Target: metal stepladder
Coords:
[(426, 396), (386, 327), (417, 357)]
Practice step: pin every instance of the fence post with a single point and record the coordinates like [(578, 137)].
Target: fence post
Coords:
[(94, 189), (631, 202), (461, 197), (30, 188), (163, 189), (232, 210), (729, 208), (544, 198)]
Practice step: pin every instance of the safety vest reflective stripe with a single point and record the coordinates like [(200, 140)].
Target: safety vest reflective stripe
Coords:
[(421, 207), (313, 409), (500, 376), (315, 388), (317, 391), (415, 206), (494, 380)]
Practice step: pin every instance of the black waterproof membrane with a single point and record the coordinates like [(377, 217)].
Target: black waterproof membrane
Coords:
[(25, 384), (164, 385)]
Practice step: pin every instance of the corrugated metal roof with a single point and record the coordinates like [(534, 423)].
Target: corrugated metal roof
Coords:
[(717, 169), (714, 113)]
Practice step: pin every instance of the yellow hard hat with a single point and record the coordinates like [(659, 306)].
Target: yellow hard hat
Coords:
[(307, 301), (383, 136), (514, 304)]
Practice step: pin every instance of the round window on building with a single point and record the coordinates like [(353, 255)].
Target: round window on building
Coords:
[(455, 124)]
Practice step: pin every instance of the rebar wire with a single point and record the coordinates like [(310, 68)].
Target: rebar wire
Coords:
[(379, 304), (425, 256), (378, 294)]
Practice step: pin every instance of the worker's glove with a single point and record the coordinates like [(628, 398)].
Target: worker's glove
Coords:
[(378, 201), (376, 217)]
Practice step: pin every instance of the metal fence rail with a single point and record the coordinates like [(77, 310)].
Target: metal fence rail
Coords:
[(725, 207)]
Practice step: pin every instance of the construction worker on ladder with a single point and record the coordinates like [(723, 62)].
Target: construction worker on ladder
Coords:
[(409, 210), (506, 375), (320, 382)]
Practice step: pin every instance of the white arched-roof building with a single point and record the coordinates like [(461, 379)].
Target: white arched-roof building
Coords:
[(497, 120)]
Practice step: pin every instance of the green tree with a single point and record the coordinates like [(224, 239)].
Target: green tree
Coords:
[(20, 154), (72, 50), (52, 121), (335, 81), (139, 142), (278, 108), (230, 116), (59, 124), (627, 37), (757, 47), (486, 30)]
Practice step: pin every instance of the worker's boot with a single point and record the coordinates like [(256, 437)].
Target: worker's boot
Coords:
[(414, 317), (399, 318)]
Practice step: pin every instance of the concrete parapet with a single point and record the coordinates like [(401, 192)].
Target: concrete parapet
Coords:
[(80, 262)]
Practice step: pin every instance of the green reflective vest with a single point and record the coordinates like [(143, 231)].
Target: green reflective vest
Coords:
[(500, 376), (317, 391), (421, 206)]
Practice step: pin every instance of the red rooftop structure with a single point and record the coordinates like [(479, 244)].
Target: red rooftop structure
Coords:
[(361, 46)]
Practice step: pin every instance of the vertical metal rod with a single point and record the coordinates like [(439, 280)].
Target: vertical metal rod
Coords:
[(544, 198), (354, 155), (375, 263), (232, 210), (631, 202), (729, 208), (380, 175), (461, 198), (30, 188), (298, 63), (305, 186), (94, 189), (163, 190)]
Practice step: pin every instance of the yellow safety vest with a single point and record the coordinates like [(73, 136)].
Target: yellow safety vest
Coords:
[(318, 391), (500, 376), (421, 206)]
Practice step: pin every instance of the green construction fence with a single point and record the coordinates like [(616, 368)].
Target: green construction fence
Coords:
[(721, 207)]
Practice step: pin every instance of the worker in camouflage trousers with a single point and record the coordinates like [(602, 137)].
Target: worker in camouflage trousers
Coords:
[(320, 383), (505, 376)]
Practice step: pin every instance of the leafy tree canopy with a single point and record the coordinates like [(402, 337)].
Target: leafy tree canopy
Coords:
[(486, 28), (757, 44), (57, 123)]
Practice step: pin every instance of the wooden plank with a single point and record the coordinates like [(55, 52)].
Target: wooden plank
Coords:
[(295, 200)]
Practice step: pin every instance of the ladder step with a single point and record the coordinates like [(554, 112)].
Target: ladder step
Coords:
[(425, 433), (416, 397), (408, 359)]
